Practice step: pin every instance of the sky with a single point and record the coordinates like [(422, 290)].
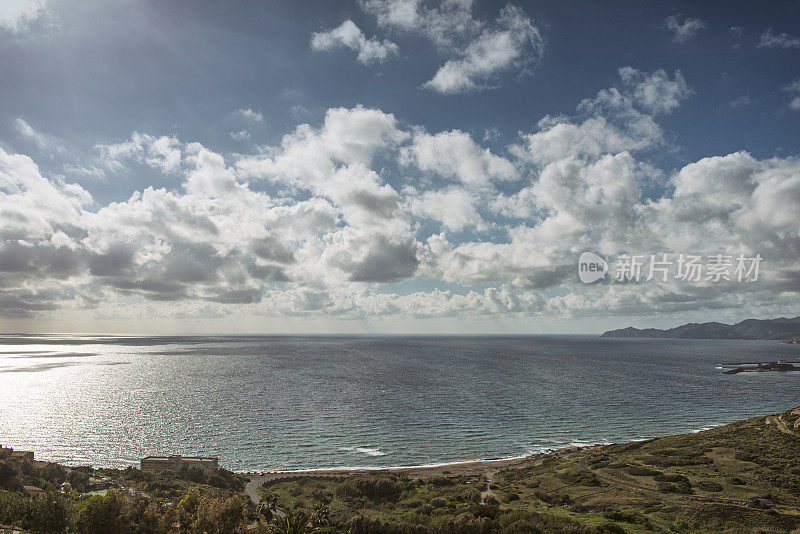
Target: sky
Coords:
[(396, 166)]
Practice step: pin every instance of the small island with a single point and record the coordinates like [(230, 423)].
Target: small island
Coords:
[(759, 367)]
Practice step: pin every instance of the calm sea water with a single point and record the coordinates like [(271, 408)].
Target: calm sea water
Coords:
[(308, 402)]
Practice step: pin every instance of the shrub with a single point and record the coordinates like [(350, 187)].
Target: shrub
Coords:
[(526, 522), (374, 489), (442, 481), (321, 496), (438, 502), (708, 485), (678, 457), (642, 471), (553, 498), (580, 477), (610, 528), (671, 478), (680, 487), (599, 464), (626, 516), (489, 509), (414, 503)]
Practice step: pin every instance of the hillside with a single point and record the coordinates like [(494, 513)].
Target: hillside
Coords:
[(741, 477), (777, 329)]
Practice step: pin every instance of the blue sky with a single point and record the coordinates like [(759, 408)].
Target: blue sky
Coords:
[(405, 165)]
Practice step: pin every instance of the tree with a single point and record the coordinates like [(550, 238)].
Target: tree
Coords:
[(50, 513), (144, 517), (8, 475), (14, 508), (53, 473), (220, 516), (293, 523), (102, 514), (78, 479), (187, 509), (193, 474)]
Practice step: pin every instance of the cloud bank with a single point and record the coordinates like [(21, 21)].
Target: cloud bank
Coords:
[(355, 216)]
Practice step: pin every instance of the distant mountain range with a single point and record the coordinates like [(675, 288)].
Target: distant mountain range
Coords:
[(781, 328)]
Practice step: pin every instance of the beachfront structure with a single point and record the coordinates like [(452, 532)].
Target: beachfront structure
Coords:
[(174, 462), (24, 455)]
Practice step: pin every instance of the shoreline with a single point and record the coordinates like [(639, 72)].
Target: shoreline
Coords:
[(445, 469), (463, 466)]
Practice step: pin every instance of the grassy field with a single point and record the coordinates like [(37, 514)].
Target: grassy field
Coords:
[(743, 477)]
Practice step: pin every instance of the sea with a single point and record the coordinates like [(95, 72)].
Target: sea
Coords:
[(262, 403)]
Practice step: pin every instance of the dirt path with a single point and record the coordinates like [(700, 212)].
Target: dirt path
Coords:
[(778, 421), (647, 488), (487, 493)]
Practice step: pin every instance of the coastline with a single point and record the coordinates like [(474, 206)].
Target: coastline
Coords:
[(452, 469), (440, 469), (456, 467), (487, 467)]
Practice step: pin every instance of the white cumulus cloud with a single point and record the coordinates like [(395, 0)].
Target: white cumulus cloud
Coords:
[(513, 43), (683, 31), (348, 35), (770, 39), (17, 15), (478, 51)]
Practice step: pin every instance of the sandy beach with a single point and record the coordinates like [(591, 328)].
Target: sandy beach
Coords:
[(445, 469), (423, 471)]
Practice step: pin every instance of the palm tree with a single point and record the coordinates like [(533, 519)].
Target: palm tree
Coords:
[(267, 507), (293, 523), (320, 516), (265, 511)]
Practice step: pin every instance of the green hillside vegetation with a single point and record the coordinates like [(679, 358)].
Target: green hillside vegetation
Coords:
[(743, 477), (87, 500)]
